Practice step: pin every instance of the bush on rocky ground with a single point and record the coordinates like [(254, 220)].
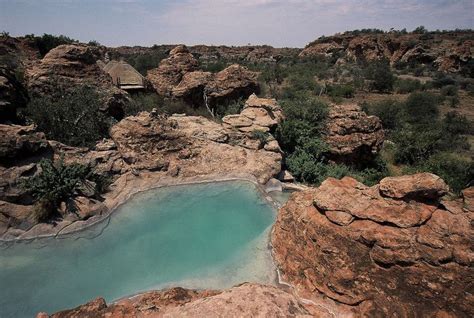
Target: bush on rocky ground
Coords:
[(405, 86), (71, 116), (59, 182), (425, 141), (47, 42), (380, 76)]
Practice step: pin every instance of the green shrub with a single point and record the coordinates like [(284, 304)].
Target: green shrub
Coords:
[(47, 42), (380, 76), (213, 67), (58, 182), (307, 168), (415, 144), (442, 80), (345, 91), (304, 118), (72, 117), (261, 136), (421, 107), (147, 61), (405, 86), (449, 90), (143, 102), (390, 113), (230, 107)]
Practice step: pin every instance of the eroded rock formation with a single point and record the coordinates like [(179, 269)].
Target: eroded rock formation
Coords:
[(72, 65), (393, 249), (352, 136), (177, 76)]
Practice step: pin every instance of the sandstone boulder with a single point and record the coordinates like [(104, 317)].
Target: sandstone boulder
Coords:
[(448, 52), (191, 146), (232, 83), (20, 142), (352, 136), (191, 88), (171, 70), (422, 186), (178, 77), (261, 114), (380, 256), (246, 300), (75, 64)]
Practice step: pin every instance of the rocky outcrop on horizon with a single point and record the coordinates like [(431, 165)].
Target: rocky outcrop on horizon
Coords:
[(448, 52), (178, 77), (394, 249), (352, 136)]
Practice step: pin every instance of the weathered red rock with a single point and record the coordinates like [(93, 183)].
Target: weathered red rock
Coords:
[(246, 300), (380, 256), (423, 186), (72, 65), (18, 142), (352, 136), (261, 114), (232, 83), (171, 70), (178, 77)]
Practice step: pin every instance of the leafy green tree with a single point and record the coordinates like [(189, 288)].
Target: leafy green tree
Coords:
[(47, 42), (71, 116), (380, 76), (421, 107), (390, 112)]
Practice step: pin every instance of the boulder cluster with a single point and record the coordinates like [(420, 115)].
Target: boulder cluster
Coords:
[(178, 77), (394, 249)]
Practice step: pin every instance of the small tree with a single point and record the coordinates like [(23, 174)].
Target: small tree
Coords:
[(70, 116), (380, 76)]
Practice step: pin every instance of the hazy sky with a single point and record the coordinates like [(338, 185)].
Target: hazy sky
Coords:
[(233, 22)]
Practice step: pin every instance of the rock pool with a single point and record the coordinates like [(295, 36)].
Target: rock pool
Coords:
[(211, 235)]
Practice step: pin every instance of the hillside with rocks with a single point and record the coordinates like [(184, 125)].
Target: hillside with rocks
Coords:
[(448, 52)]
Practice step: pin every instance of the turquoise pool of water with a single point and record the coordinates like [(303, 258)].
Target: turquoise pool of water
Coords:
[(197, 236)]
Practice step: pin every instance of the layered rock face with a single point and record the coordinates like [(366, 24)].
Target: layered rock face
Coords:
[(352, 136), (448, 52), (177, 76), (171, 70), (189, 145), (72, 65), (389, 250), (246, 300)]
